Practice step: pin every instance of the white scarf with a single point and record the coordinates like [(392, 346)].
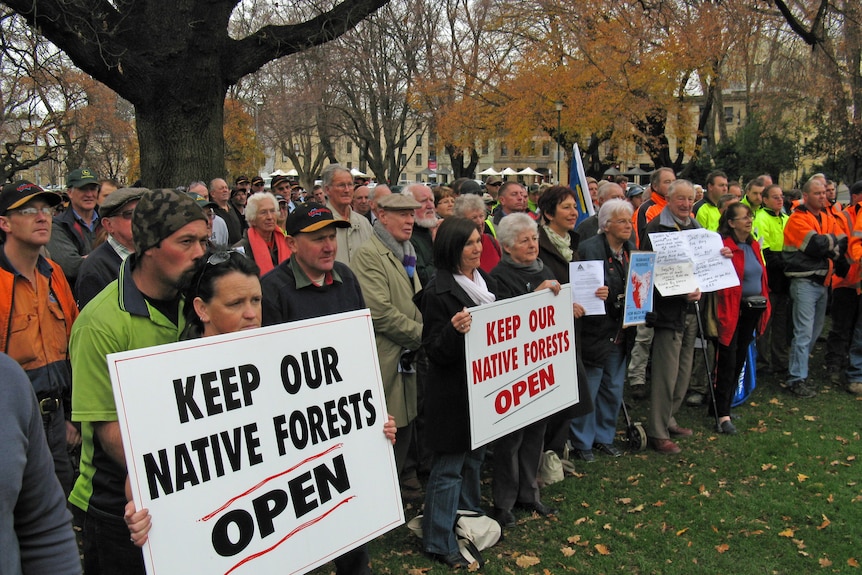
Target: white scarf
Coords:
[(476, 287)]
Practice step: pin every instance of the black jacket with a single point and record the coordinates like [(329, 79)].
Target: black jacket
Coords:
[(447, 414), (599, 332)]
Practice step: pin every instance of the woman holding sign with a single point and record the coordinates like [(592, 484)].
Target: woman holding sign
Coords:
[(455, 469), (603, 335), (741, 309), (517, 456)]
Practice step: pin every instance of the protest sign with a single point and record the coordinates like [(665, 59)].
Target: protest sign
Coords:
[(585, 277), (520, 363), (639, 284), (690, 259), (259, 451)]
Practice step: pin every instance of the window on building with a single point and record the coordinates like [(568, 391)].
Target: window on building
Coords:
[(349, 147), (402, 161), (504, 149), (728, 114), (546, 148), (349, 165), (418, 140), (517, 151), (485, 148), (419, 160)]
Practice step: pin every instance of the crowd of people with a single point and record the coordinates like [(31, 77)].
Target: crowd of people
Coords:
[(101, 270)]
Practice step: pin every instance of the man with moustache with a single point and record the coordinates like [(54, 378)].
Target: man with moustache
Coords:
[(142, 308)]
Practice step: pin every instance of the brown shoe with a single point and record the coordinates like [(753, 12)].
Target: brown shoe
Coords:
[(665, 446), (679, 431)]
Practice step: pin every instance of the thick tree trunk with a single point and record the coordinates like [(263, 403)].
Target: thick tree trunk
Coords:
[(181, 137)]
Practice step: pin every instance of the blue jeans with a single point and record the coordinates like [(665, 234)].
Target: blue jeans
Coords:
[(809, 312), (854, 370), (453, 485), (605, 385)]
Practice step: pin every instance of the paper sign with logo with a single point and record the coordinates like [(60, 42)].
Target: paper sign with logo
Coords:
[(520, 363), (261, 451)]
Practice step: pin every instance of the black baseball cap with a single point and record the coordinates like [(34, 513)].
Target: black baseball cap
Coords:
[(16, 194), (311, 217)]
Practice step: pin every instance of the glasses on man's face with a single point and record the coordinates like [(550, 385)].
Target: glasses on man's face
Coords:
[(31, 211), (126, 215)]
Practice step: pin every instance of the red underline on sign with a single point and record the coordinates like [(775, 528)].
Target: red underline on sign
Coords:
[(268, 479), (286, 537)]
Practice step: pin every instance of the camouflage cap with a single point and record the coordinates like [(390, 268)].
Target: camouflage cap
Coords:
[(159, 214)]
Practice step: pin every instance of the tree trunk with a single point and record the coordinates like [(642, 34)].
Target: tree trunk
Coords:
[(180, 132)]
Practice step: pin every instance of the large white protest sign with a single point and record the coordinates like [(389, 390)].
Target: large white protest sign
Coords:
[(260, 451), (520, 363), (690, 259)]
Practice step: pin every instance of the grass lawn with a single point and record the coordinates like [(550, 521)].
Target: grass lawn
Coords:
[(782, 496)]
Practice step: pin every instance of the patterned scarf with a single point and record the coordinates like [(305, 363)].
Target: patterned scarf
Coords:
[(563, 244), (404, 251)]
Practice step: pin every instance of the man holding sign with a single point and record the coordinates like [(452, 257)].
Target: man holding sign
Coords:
[(142, 308), (675, 329)]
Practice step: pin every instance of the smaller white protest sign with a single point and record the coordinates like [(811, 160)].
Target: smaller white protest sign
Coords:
[(585, 277), (691, 259), (259, 451), (520, 363)]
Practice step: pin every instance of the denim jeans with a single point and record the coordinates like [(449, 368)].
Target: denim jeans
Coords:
[(854, 370), (605, 385), (454, 484), (809, 312)]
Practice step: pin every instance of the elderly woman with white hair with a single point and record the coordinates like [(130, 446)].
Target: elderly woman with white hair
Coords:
[(263, 241), (603, 335), (517, 455)]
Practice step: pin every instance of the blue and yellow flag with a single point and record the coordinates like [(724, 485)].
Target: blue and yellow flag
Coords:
[(578, 183)]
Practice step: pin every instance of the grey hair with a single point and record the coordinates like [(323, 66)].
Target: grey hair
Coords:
[(605, 189), (372, 192), (679, 185), (613, 208), (513, 226), (328, 173), (408, 189), (253, 204), (468, 203)]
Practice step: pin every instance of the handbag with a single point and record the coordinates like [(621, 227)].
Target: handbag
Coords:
[(474, 531), (754, 302)]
